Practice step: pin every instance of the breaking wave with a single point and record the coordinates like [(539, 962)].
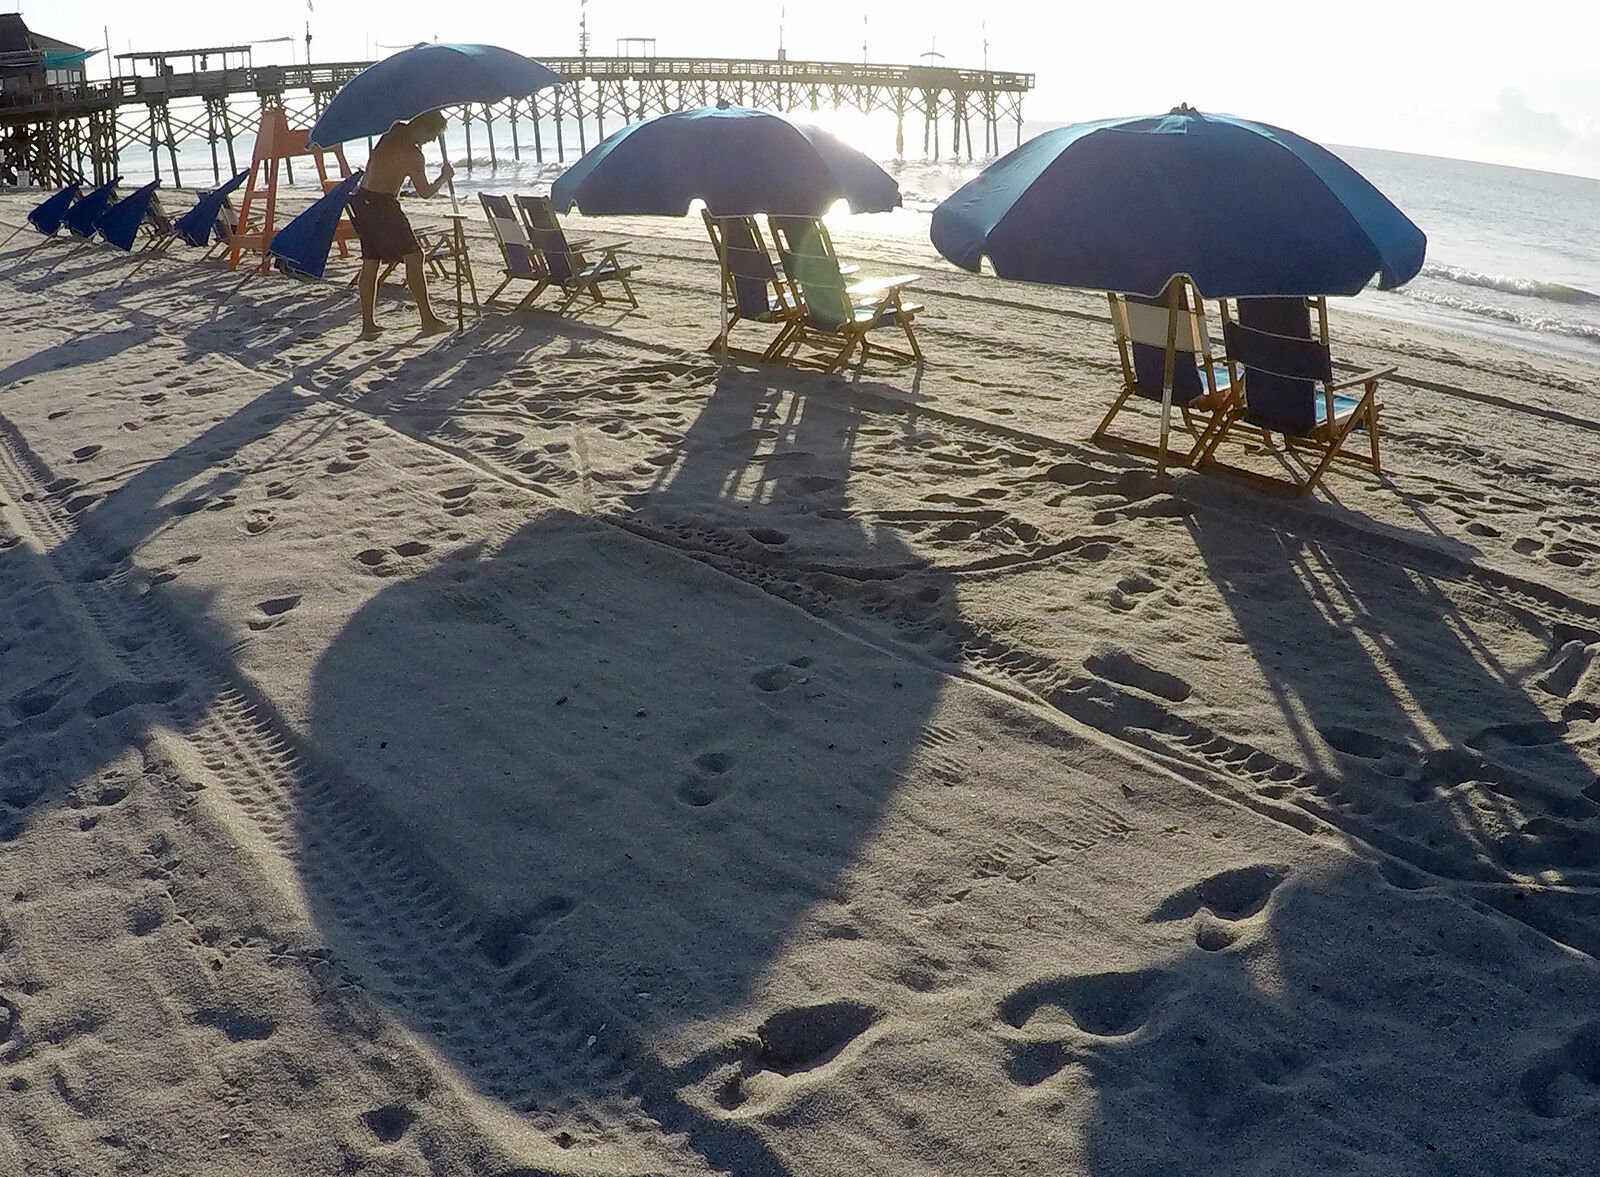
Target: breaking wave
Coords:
[(1528, 287)]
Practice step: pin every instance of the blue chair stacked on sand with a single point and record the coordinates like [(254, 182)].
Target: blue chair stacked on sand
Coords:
[(1289, 389)]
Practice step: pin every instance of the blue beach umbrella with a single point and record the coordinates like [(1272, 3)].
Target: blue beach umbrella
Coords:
[(739, 161), (49, 213), (84, 216), (1242, 208), (196, 226), (415, 81), (302, 245), (120, 224)]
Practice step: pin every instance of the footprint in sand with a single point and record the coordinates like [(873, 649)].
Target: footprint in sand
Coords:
[(1060, 1012), (458, 499), (272, 611), (1121, 667), (1565, 1083), (793, 1043), (85, 453), (1218, 903), (258, 521)]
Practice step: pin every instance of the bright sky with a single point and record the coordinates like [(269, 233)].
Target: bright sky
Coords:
[(1427, 76)]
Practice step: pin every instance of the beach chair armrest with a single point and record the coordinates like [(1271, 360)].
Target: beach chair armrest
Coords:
[(611, 246), (1368, 377), (873, 286)]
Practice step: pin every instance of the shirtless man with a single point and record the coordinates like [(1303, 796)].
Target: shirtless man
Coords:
[(384, 231)]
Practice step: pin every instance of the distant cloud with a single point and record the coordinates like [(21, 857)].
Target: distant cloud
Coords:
[(1520, 126)]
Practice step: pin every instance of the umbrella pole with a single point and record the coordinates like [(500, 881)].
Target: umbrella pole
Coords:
[(1174, 302), (458, 240)]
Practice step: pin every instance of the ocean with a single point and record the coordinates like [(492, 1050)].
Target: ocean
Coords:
[(1513, 255)]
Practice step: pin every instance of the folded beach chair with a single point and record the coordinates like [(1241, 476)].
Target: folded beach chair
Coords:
[(566, 264), (1289, 389), (1164, 344), (841, 312), (752, 287), (523, 263)]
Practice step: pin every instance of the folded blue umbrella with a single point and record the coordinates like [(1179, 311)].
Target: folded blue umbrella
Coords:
[(84, 217), (195, 226), (50, 212), (739, 161), (120, 224), (302, 245), (1242, 208), (415, 81)]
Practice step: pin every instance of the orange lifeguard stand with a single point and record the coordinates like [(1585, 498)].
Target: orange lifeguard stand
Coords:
[(277, 141)]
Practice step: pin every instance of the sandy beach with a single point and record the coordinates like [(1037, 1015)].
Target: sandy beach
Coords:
[(550, 751)]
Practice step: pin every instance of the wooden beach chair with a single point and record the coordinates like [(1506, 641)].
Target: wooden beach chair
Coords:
[(840, 311), (1163, 343), (522, 262), (565, 261), (752, 287), (1289, 389)]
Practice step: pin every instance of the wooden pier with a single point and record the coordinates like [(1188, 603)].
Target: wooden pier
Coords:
[(80, 132)]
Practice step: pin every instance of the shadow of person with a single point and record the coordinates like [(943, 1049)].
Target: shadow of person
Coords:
[(630, 777)]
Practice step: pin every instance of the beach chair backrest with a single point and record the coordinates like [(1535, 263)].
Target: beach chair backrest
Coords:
[(1142, 326), (548, 238), (750, 269), (806, 252), (515, 248), (227, 223), (156, 218), (1281, 376), (1274, 395)]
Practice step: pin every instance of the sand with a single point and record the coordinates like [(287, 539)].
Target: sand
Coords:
[(550, 751)]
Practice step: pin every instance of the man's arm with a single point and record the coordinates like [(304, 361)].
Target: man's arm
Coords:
[(419, 175)]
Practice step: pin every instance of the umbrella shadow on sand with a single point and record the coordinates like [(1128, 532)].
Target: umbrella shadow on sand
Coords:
[(631, 776), (1374, 1012)]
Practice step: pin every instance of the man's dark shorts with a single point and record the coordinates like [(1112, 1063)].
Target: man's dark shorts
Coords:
[(384, 231)]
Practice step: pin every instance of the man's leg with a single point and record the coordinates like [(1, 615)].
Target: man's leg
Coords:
[(417, 279), (367, 285)]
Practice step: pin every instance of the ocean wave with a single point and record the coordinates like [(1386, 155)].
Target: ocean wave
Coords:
[(1528, 287), (1548, 324)]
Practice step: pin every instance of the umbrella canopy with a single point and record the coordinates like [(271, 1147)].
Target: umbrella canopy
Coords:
[(120, 224), (85, 213), (415, 81), (302, 245), (1244, 209), (50, 212), (738, 161), (197, 225)]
